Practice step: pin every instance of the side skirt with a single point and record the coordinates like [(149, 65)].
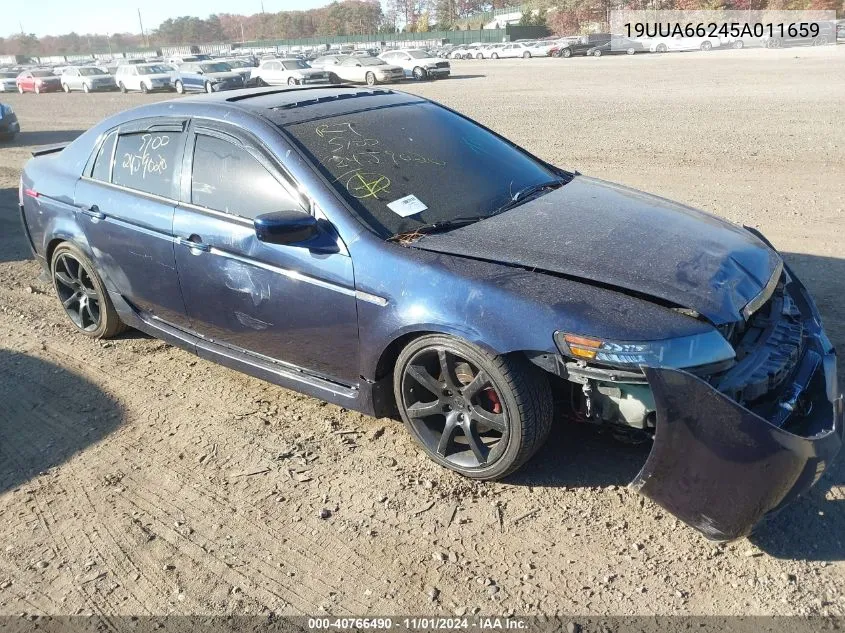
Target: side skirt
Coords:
[(276, 372)]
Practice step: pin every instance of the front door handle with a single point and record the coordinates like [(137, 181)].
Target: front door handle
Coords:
[(94, 212), (194, 242)]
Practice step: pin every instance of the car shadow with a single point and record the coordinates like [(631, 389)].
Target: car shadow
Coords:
[(811, 528), (49, 414), (453, 77), (13, 246), (43, 137)]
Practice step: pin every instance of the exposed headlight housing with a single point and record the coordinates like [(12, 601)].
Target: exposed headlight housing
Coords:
[(684, 351)]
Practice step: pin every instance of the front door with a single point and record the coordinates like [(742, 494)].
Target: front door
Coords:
[(277, 301), (127, 199)]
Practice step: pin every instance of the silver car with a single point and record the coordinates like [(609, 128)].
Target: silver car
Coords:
[(369, 70), (293, 72), (87, 79), (7, 81)]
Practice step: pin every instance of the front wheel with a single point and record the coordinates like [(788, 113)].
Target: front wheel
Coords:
[(66, 88), (122, 87), (85, 88), (739, 44), (494, 56), (291, 81), (208, 87), (597, 53), (706, 46), (479, 56), (419, 73), (37, 89), (566, 52), (526, 55), (370, 79), (661, 48), (180, 88), (631, 51), (478, 414), (83, 294), (144, 88)]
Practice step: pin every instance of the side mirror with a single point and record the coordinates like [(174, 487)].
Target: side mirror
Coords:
[(199, 71), (286, 227)]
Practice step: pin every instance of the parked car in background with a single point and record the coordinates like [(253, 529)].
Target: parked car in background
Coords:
[(457, 53), (293, 72), (38, 81), (368, 70), (617, 46), (512, 50), (826, 34), (144, 77), (678, 43), (326, 62), (9, 126), (580, 45), (241, 66), (208, 76), (8, 81), (87, 79), (418, 64)]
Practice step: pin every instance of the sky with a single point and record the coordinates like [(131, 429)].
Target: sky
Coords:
[(56, 17)]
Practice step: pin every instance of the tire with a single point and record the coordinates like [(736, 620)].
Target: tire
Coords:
[(37, 89), (566, 52), (260, 83), (418, 73), (333, 78), (370, 78), (494, 56), (511, 394), (81, 288), (291, 81), (556, 53), (821, 40), (631, 51), (144, 88), (122, 87), (706, 46), (738, 44), (180, 88), (208, 87), (661, 48), (597, 53), (479, 56), (526, 55), (66, 88), (85, 88)]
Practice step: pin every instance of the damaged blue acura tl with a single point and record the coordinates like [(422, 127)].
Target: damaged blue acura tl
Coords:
[(387, 254)]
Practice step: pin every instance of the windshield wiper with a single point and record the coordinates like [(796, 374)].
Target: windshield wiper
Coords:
[(524, 194), (436, 227)]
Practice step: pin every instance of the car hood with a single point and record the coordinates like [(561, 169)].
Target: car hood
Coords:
[(308, 72), (389, 68), (222, 76), (627, 240)]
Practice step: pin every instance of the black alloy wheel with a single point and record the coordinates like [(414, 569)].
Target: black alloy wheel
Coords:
[(82, 294), (480, 415)]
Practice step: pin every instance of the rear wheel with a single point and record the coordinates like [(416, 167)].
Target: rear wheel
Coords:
[(473, 412), (208, 87), (821, 40), (180, 88), (66, 88), (419, 73), (526, 55), (494, 56), (566, 52), (291, 81), (739, 44), (85, 88), (597, 52), (37, 89), (20, 89), (706, 46), (122, 87), (370, 79), (144, 88), (661, 48), (631, 51), (83, 294), (479, 56)]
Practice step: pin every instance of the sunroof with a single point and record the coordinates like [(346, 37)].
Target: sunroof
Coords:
[(328, 98)]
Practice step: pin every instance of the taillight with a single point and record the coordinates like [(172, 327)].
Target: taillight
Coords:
[(32, 193)]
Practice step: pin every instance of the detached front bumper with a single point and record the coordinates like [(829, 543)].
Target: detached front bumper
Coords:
[(720, 467)]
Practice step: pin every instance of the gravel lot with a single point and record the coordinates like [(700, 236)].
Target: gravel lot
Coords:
[(138, 479)]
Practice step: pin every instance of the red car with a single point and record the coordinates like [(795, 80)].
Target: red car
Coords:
[(38, 81)]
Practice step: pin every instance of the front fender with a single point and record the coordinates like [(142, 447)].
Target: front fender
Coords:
[(719, 467)]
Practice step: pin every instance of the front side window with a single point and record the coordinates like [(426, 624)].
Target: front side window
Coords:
[(404, 166), (295, 64), (146, 161), (228, 178)]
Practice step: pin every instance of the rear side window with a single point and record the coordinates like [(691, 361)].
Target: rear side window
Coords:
[(228, 178), (147, 161), (102, 164)]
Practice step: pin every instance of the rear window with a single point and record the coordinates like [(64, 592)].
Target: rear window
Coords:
[(403, 166), (147, 161), (102, 164)]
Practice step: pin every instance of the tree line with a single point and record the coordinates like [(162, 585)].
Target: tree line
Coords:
[(359, 17)]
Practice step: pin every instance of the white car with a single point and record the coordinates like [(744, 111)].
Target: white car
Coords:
[(326, 62), (678, 43), (293, 72), (514, 49), (87, 79), (143, 77), (541, 49), (7, 81), (418, 64), (368, 70)]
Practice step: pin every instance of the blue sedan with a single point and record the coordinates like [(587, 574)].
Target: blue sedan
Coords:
[(205, 76), (382, 252)]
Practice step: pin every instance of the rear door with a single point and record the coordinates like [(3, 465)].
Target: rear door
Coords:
[(127, 199), (275, 301)]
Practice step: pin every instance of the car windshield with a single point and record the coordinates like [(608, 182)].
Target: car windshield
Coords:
[(218, 67), (90, 72), (41, 73), (294, 64), (418, 54), (236, 63), (402, 167), (154, 70)]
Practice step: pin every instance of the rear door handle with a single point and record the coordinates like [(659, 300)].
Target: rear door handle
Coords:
[(194, 242), (94, 212)]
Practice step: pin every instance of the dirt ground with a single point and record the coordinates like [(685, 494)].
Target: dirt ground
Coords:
[(138, 479)]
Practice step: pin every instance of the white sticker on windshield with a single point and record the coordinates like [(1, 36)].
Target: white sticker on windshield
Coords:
[(409, 205)]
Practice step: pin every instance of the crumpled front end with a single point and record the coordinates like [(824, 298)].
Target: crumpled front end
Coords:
[(726, 450)]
